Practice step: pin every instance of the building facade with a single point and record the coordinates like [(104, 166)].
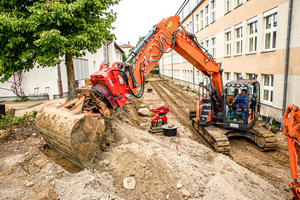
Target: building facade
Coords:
[(126, 48), (53, 80), (248, 37)]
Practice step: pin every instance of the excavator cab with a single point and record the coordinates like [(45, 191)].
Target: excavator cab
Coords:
[(241, 104)]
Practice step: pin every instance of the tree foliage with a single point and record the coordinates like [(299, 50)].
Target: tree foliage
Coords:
[(41, 31)]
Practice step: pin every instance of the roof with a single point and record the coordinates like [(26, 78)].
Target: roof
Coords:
[(126, 46), (118, 47)]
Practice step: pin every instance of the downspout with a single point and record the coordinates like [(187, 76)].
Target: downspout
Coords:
[(287, 54), (108, 51)]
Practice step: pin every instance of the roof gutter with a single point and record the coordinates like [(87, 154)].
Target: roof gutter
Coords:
[(182, 7), (287, 54)]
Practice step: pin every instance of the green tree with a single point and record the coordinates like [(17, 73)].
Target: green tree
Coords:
[(42, 31)]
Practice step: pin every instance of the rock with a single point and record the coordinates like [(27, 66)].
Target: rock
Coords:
[(129, 183), (167, 196), (10, 112), (148, 175), (185, 193), (29, 184), (143, 111), (179, 185), (2, 133), (144, 165)]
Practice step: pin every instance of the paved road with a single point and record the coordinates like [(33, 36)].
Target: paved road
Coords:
[(28, 106)]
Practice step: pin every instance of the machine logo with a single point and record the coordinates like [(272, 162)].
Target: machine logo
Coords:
[(110, 83), (170, 24), (234, 125)]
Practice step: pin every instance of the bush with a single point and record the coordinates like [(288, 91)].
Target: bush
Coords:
[(8, 121), (153, 71)]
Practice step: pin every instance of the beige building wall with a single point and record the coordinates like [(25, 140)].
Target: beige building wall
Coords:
[(262, 62)]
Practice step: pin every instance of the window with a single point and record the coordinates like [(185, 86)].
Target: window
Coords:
[(213, 10), (213, 45), (202, 19), (81, 68), (239, 39), (199, 76), (270, 32), (197, 22), (252, 35), (239, 2), (228, 42), (251, 76), (191, 27), (228, 6), (207, 14), (227, 76), (104, 53), (188, 27), (268, 88), (202, 43), (238, 76), (207, 44)]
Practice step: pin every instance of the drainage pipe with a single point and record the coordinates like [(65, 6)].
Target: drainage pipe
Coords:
[(287, 54)]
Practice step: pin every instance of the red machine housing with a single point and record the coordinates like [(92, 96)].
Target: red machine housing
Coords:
[(114, 85)]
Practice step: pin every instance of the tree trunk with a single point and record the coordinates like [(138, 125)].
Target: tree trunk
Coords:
[(71, 77)]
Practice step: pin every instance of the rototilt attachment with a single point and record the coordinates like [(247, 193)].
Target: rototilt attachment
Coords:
[(158, 120)]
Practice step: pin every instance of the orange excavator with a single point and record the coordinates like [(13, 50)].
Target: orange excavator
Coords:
[(291, 129), (75, 129)]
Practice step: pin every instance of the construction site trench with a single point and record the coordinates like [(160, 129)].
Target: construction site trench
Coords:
[(155, 166)]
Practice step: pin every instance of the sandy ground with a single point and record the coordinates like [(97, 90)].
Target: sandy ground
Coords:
[(181, 167), (29, 106)]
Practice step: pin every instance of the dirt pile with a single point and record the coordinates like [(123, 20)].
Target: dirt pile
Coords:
[(173, 167)]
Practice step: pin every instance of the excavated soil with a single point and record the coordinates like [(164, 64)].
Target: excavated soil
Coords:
[(181, 167)]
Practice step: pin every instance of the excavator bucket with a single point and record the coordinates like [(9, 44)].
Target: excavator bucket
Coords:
[(74, 129), (76, 136)]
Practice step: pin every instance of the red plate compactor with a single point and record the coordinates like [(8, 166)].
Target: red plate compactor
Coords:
[(158, 120)]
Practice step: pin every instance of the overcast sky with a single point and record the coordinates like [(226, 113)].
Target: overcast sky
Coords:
[(136, 17)]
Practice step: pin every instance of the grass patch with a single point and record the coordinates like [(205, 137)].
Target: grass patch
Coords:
[(8, 121), (25, 98), (181, 86)]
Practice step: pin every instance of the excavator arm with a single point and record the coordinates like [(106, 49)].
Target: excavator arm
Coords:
[(291, 128), (164, 37)]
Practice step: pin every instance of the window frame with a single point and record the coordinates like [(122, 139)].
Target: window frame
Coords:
[(239, 39), (238, 2), (227, 7), (269, 88), (207, 44), (270, 31), (213, 46), (227, 77), (197, 21), (228, 42), (213, 10), (201, 19), (207, 14), (253, 35)]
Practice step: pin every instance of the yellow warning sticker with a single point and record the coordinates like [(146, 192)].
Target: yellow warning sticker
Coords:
[(170, 24)]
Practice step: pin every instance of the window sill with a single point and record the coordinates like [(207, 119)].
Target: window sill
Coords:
[(238, 6), (206, 26), (266, 51), (227, 56), (227, 12), (251, 53), (236, 55), (212, 22), (267, 103)]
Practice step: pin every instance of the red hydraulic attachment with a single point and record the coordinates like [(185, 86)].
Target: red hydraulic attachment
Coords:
[(161, 115), (291, 128)]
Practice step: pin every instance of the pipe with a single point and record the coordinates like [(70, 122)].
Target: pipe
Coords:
[(287, 54), (108, 51), (193, 31)]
